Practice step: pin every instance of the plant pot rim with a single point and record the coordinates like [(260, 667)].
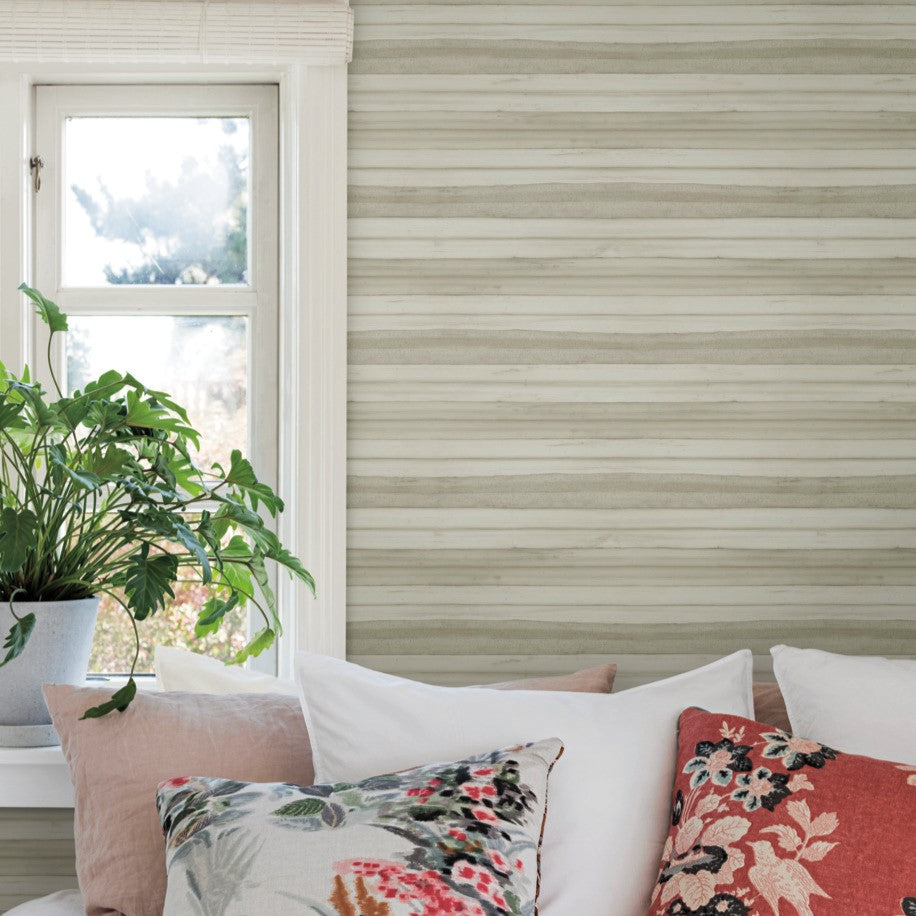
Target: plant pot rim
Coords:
[(38, 604)]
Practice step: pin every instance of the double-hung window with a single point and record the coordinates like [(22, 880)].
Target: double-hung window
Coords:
[(191, 221), (156, 231)]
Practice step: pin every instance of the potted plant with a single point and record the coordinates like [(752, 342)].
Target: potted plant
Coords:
[(99, 495)]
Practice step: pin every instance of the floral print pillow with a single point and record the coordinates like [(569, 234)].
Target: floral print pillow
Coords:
[(765, 824), (459, 838)]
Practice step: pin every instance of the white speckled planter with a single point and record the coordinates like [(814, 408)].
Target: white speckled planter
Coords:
[(57, 652)]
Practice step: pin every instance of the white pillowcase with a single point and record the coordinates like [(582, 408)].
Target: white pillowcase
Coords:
[(61, 903), (178, 669), (853, 703), (609, 796)]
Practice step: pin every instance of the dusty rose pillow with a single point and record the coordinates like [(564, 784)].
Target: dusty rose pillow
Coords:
[(769, 706), (178, 669), (599, 679), (117, 763)]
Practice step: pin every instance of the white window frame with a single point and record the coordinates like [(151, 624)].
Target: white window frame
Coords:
[(303, 48), (255, 301)]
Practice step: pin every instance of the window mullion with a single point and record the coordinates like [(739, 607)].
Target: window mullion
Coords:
[(159, 301)]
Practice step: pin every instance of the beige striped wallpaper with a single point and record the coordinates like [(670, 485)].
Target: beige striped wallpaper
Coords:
[(632, 333), (36, 854), (632, 327)]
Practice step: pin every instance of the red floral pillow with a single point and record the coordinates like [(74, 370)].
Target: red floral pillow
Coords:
[(764, 823)]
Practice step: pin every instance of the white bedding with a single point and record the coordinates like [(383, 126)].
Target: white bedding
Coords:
[(63, 903)]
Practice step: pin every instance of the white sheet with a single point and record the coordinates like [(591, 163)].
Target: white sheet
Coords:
[(63, 903)]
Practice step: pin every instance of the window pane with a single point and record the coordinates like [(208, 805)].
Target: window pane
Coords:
[(113, 645), (202, 363), (155, 200)]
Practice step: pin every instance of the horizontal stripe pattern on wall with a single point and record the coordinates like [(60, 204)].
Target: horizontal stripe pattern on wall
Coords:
[(36, 854), (632, 334)]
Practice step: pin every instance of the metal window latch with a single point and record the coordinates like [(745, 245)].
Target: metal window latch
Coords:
[(36, 164)]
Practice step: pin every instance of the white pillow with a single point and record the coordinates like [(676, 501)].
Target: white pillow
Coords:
[(609, 799), (61, 903), (178, 669), (859, 704)]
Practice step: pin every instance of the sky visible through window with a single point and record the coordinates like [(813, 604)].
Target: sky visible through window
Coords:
[(141, 192)]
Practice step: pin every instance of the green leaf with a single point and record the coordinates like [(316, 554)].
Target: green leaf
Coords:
[(260, 574), (161, 467), (236, 577), (105, 416), (145, 413), (220, 526), (212, 615), (242, 476), (269, 545), (187, 476), (206, 531), (292, 563), (17, 637), (110, 379), (146, 492), (150, 414), (72, 412), (109, 463), (305, 807), (48, 311), (119, 701), (241, 473), (184, 536), (9, 413), (45, 415), (85, 479), (237, 548), (18, 537), (238, 513), (264, 639), (241, 517), (161, 396), (148, 581), (155, 519)]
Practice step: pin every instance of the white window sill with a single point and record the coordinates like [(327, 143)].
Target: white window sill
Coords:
[(37, 777), (34, 777)]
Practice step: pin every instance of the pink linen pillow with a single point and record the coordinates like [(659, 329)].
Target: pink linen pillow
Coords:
[(769, 705), (179, 669), (599, 679), (116, 764)]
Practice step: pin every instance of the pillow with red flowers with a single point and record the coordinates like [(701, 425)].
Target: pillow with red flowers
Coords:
[(765, 823), (459, 838)]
